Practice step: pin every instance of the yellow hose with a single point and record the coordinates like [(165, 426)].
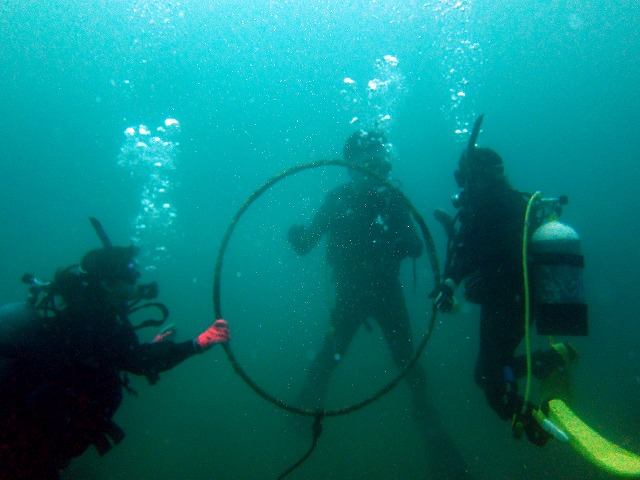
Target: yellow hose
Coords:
[(527, 295)]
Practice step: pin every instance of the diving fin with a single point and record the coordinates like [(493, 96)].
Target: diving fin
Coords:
[(591, 445)]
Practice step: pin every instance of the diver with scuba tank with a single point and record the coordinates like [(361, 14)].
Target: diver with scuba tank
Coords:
[(485, 250), (64, 358)]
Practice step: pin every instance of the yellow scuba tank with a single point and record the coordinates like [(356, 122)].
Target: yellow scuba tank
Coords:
[(556, 265)]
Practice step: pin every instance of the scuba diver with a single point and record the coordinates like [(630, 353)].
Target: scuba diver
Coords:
[(64, 358), (370, 232), (485, 249)]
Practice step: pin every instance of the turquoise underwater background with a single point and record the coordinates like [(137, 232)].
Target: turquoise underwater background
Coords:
[(160, 118)]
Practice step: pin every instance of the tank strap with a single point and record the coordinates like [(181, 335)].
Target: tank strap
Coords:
[(566, 259)]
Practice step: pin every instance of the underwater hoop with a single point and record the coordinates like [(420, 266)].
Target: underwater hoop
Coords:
[(433, 260)]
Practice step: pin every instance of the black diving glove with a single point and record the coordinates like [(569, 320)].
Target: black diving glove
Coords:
[(446, 220), (296, 237), (445, 300), (527, 423)]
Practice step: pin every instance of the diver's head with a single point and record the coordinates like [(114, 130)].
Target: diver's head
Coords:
[(105, 278), (111, 265), (112, 272), (481, 166), (369, 149)]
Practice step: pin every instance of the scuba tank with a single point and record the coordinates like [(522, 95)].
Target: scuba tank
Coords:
[(556, 265)]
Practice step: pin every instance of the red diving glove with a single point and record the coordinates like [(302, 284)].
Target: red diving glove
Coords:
[(216, 333)]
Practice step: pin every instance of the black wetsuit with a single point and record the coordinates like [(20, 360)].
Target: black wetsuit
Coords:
[(61, 383), (369, 234), (487, 251)]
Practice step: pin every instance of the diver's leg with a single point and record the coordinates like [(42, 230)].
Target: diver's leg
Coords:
[(442, 453), (345, 320), (393, 319), (501, 331)]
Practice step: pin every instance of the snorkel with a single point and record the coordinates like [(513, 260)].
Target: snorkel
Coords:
[(102, 235), (461, 174), (147, 291), (471, 146)]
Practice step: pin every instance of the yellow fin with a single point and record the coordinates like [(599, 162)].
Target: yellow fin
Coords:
[(591, 445)]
